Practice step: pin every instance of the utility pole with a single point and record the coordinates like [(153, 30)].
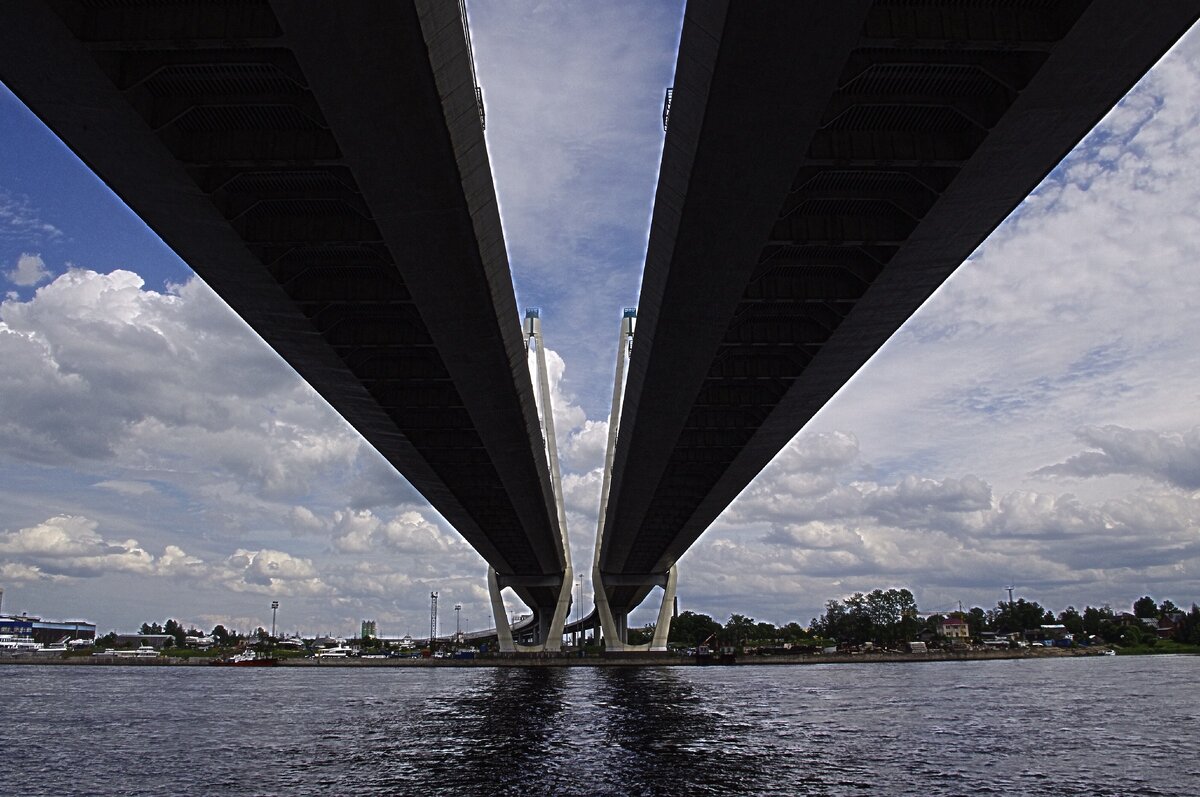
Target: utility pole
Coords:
[(458, 620), (433, 596), (274, 608)]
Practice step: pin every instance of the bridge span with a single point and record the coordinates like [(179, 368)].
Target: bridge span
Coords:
[(322, 166), (827, 166)]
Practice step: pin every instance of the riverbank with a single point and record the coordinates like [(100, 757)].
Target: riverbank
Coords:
[(614, 660)]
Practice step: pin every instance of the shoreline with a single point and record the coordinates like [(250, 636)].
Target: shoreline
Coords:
[(616, 660)]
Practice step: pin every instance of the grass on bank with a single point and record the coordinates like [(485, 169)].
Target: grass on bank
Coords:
[(1161, 646)]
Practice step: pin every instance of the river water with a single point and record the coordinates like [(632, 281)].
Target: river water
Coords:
[(1095, 726)]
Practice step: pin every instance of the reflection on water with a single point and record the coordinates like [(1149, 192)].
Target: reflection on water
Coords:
[(659, 729), (1098, 726), (504, 726)]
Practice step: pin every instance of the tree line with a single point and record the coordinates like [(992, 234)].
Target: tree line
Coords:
[(890, 617), (886, 618), (221, 636)]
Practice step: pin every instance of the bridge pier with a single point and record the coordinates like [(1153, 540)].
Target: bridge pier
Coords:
[(551, 619), (615, 624)]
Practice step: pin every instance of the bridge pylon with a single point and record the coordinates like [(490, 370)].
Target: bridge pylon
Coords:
[(550, 623), (615, 625)]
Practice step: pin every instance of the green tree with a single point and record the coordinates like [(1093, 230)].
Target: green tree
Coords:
[(765, 633), (857, 627), (894, 613), (690, 629), (1072, 619), (1109, 631), (738, 630), (830, 625), (1145, 607), (1189, 627), (882, 616), (1131, 635), (793, 632), (640, 636), (175, 630), (977, 621), (1020, 616), (1094, 618)]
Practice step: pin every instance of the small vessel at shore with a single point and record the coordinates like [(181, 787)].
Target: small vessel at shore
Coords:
[(247, 658), (12, 645), (715, 653), (337, 652)]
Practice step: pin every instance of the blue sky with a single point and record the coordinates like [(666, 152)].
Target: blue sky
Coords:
[(54, 206), (1034, 424)]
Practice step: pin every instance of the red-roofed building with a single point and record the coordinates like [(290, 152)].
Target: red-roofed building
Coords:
[(954, 628)]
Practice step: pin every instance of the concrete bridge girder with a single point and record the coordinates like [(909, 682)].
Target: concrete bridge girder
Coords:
[(351, 222), (889, 140)]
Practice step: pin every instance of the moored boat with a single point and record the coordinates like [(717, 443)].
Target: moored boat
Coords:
[(247, 658)]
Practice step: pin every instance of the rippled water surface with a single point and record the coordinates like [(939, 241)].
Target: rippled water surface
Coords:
[(1096, 726)]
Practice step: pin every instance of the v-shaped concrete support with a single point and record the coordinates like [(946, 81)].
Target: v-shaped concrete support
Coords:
[(562, 608)]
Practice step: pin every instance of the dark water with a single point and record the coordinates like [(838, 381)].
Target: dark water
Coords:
[(1098, 726)]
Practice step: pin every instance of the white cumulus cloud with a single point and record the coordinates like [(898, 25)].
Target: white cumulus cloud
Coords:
[(30, 270)]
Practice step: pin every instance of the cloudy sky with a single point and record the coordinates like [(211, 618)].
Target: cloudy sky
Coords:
[(1035, 424)]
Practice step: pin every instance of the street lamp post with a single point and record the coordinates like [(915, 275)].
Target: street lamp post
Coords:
[(458, 621), (274, 608)]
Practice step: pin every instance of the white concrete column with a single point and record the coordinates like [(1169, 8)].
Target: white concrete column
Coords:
[(503, 629), (614, 640), (562, 609), (662, 628)]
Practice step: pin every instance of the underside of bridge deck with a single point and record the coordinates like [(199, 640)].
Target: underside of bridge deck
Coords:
[(827, 166), (322, 166)]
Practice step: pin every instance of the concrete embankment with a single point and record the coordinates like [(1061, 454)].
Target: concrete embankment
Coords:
[(535, 660)]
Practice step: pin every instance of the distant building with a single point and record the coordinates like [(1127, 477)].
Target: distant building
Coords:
[(994, 641), (51, 632), (17, 627), (405, 642), (1167, 625), (368, 629), (46, 632), (954, 628), (1054, 635), (1056, 632)]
